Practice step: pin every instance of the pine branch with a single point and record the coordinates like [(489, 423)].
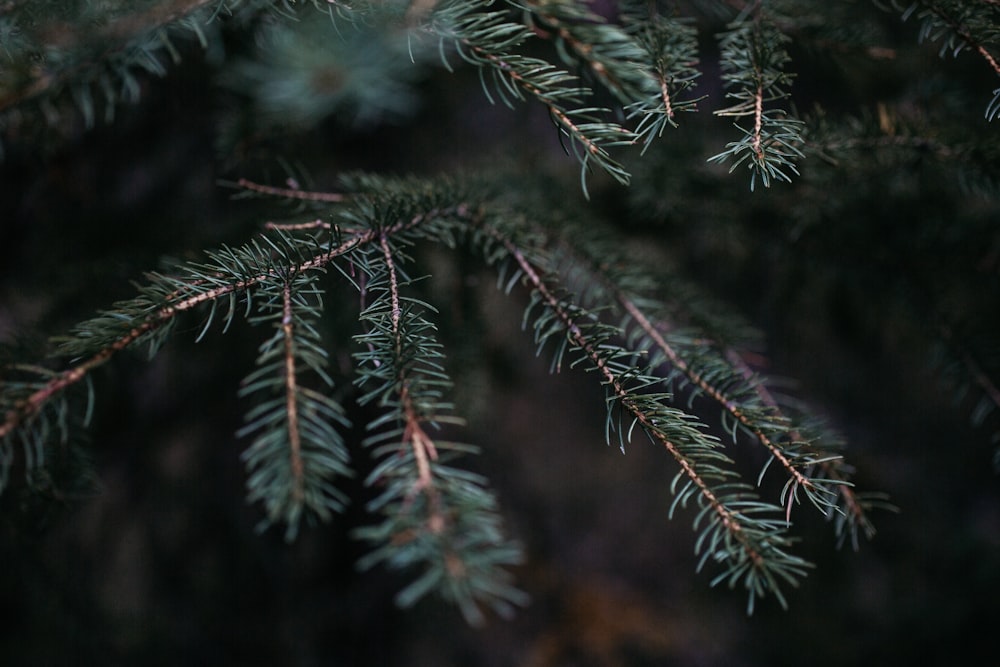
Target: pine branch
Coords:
[(54, 425), (753, 61), (229, 274), (124, 40), (611, 54), (297, 450), (959, 26), (487, 41), (671, 46), (736, 531), (710, 369), (437, 518)]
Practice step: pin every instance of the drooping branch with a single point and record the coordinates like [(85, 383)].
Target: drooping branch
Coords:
[(710, 390), (290, 192), (297, 452), (488, 41), (186, 295), (291, 395), (619, 390), (754, 61), (734, 529), (713, 370), (614, 57), (434, 517), (112, 39), (423, 447), (443, 518), (962, 30)]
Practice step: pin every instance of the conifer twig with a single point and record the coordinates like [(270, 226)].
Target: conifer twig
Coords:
[(164, 314), (727, 518), (423, 447), (728, 405), (291, 396), (289, 193), (963, 33), (112, 37)]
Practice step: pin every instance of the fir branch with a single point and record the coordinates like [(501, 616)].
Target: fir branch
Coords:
[(435, 517), (809, 462), (670, 47), (829, 489), (81, 59), (51, 426), (708, 369), (487, 39), (288, 193), (297, 451), (737, 533), (851, 509), (229, 273), (732, 408), (611, 54), (959, 26), (753, 61)]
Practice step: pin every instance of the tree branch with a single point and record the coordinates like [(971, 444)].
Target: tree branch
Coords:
[(291, 397)]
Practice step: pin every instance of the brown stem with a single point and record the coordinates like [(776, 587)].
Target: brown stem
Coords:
[(291, 397), (290, 193), (726, 517), (116, 33), (422, 445), (30, 405)]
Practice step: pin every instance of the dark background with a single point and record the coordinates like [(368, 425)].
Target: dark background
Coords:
[(162, 564)]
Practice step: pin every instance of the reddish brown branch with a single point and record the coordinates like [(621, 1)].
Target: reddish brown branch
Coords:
[(726, 517), (665, 95), (290, 193), (728, 405), (558, 113), (291, 397), (64, 36), (297, 226), (967, 37), (30, 406), (758, 121), (421, 444)]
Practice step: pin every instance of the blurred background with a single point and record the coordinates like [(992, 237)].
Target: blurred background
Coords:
[(852, 274)]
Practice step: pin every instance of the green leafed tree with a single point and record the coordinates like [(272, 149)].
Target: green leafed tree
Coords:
[(675, 200)]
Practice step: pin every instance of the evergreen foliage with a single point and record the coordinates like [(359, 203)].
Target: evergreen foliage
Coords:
[(613, 81)]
